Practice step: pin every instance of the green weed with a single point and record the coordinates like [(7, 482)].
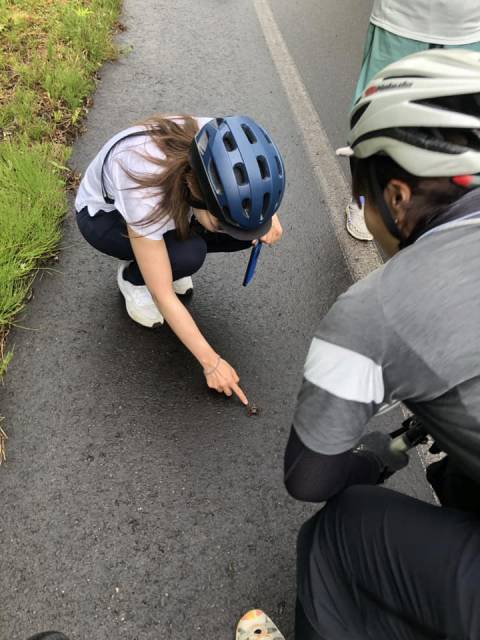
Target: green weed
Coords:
[(32, 203), (67, 82), (49, 53), (4, 362)]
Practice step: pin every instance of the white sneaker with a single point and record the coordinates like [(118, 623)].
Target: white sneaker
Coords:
[(356, 226), (138, 300), (183, 286)]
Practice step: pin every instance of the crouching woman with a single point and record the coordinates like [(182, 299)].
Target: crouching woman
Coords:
[(161, 195)]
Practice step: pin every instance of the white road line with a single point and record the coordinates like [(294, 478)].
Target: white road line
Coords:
[(360, 257)]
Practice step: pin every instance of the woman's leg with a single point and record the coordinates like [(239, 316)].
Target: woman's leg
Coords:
[(186, 256), (219, 242), (376, 564), (381, 49), (107, 232)]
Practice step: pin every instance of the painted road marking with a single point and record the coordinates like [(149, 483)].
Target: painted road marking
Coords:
[(360, 257)]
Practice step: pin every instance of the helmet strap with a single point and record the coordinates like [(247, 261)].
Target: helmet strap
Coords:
[(196, 204), (382, 206)]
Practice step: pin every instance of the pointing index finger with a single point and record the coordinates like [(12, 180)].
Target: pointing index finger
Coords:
[(239, 393)]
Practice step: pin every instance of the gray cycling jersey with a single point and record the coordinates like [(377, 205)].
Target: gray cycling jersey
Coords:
[(408, 332)]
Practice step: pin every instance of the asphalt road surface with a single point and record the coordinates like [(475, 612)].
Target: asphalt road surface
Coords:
[(136, 504)]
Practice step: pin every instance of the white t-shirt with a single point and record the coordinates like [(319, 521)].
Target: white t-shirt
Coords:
[(135, 204), (448, 22)]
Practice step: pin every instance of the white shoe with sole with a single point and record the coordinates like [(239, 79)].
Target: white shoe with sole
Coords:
[(138, 301), (356, 226), (183, 286)]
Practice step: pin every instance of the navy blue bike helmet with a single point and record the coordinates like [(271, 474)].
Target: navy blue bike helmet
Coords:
[(240, 173)]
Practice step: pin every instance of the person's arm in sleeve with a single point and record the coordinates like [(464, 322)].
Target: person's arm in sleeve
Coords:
[(315, 477), (343, 387)]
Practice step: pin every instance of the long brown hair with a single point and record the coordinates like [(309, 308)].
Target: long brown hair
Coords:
[(174, 183)]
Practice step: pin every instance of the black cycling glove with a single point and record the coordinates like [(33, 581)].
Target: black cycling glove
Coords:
[(376, 447)]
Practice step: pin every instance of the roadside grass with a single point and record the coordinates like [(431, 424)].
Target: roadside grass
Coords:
[(50, 51)]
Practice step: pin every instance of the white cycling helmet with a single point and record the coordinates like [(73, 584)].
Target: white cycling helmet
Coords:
[(410, 110)]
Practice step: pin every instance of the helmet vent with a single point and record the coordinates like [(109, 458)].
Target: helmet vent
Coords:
[(215, 178), (468, 104), (240, 174), (358, 114), (279, 166), (247, 206), (263, 166), (249, 133), (229, 141), (451, 141), (266, 202)]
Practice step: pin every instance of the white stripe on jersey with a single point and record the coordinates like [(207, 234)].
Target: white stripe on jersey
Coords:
[(344, 373)]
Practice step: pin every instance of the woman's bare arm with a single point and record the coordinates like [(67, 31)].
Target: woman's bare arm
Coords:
[(154, 263)]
